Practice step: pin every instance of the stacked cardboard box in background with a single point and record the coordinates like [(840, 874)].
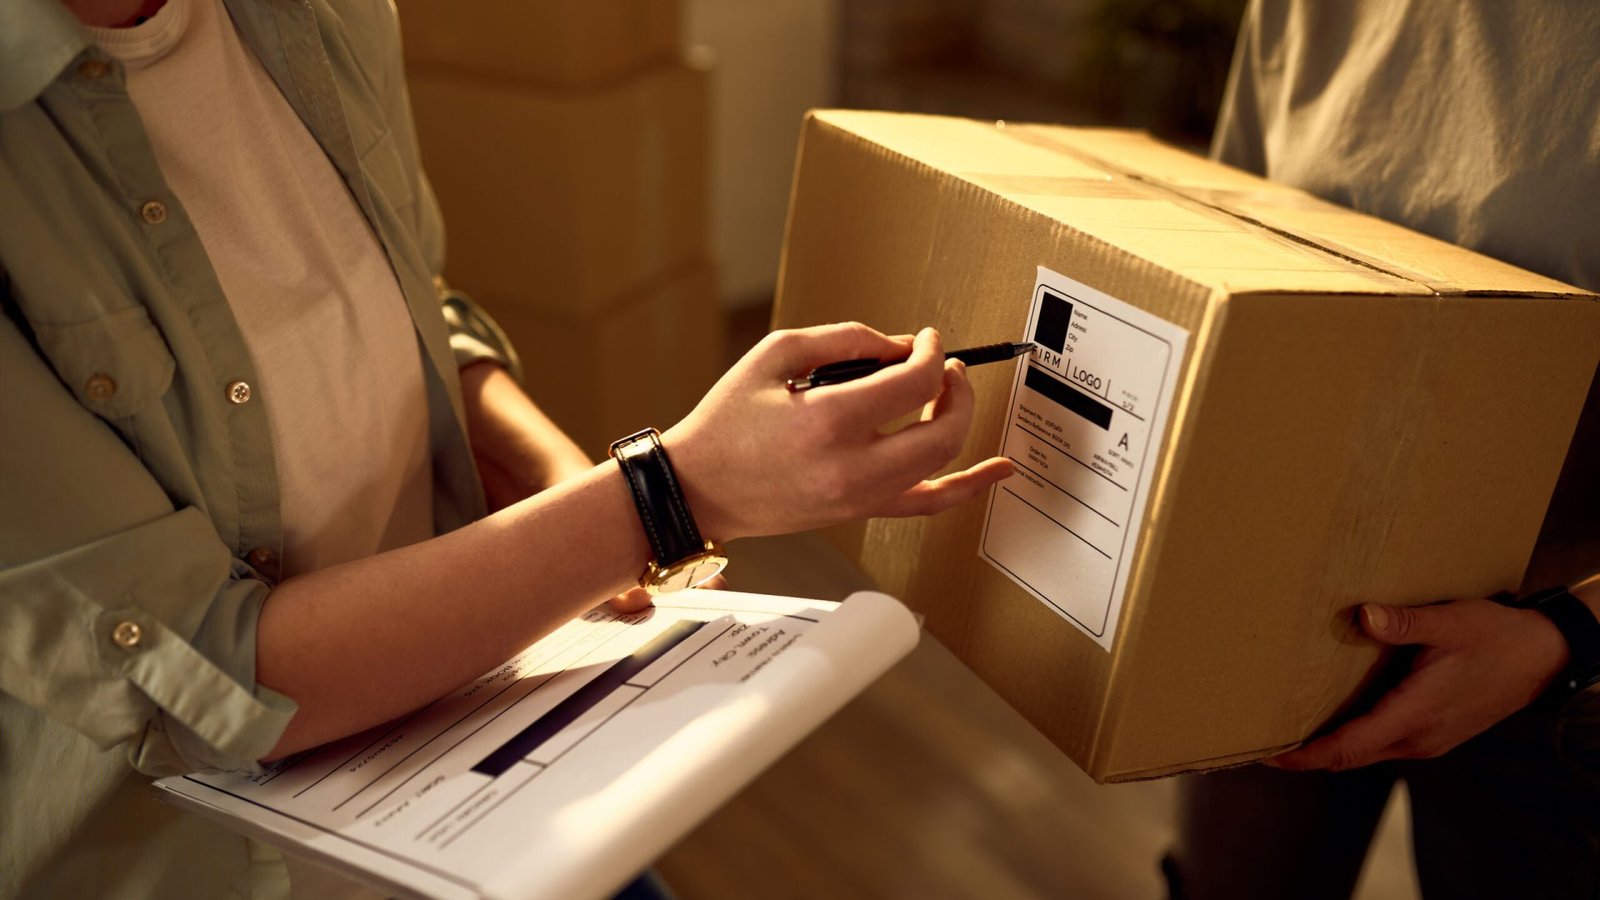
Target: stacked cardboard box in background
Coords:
[(567, 143), (549, 43)]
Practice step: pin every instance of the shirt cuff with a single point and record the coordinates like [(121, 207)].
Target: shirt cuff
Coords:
[(474, 335), (146, 637)]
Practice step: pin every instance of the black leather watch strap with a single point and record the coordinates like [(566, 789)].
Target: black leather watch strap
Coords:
[(1580, 628), (668, 526)]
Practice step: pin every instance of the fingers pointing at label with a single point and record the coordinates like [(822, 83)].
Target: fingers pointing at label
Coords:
[(939, 494), (755, 458), (931, 444)]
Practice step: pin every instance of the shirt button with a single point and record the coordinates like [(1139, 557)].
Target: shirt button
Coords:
[(261, 558), (238, 392), (127, 635), (94, 69), (100, 386), (154, 212)]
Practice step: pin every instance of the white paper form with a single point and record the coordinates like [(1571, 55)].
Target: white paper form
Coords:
[(1088, 410), (567, 770)]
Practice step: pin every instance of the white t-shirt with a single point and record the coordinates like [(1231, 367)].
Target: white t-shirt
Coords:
[(339, 363)]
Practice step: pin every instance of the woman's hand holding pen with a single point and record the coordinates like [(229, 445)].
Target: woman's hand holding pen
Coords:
[(756, 458)]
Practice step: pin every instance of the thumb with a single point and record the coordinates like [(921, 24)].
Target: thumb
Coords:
[(631, 600), (1398, 625)]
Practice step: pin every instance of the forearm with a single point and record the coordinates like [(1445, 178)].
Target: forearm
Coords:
[(360, 643), (518, 449)]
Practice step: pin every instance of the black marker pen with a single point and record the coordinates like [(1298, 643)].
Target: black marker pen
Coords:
[(851, 369)]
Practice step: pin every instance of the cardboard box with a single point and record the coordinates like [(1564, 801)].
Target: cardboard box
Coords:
[(548, 42), (1358, 413), (565, 199), (644, 360)]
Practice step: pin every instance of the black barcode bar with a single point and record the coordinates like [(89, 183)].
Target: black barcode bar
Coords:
[(585, 698)]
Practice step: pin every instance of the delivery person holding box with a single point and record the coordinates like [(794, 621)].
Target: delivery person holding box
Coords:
[(241, 437), (1475, 122)]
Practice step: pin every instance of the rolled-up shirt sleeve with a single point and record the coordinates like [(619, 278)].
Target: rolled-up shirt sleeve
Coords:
[(474, 335), (121, 616)]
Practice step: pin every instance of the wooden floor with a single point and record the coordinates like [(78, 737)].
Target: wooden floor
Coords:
[(928, 785)]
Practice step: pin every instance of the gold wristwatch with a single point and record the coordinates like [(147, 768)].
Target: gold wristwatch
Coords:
[(683, 559)]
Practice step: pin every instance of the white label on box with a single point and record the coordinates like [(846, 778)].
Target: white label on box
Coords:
[(1087, 413)]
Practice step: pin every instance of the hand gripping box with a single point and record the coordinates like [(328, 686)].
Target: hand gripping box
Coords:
[(1252, 411)]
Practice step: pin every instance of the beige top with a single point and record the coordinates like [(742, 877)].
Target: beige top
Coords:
[(1475, 122), (321, 312)]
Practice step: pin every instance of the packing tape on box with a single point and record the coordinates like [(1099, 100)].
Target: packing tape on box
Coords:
[(1281, 211)]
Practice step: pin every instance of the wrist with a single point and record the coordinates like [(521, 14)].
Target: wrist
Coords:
[(680, 555), (1571, 613), (1545, 642), (1589, 593), (697, 476)]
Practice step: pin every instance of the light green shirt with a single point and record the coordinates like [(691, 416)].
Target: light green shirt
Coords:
[(139, 506)]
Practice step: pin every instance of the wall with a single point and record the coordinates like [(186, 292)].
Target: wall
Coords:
[(775, 60)]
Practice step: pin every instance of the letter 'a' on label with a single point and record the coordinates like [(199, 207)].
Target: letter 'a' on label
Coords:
[(1088, 411)]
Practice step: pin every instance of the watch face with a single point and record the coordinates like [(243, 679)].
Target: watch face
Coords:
[(686, 573)]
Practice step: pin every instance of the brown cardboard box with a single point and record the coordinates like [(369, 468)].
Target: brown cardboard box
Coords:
[(643, 360), (1359, 413), (564, 199), (549, 42)]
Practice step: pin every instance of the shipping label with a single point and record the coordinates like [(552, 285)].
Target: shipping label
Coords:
[(1087, 414)]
